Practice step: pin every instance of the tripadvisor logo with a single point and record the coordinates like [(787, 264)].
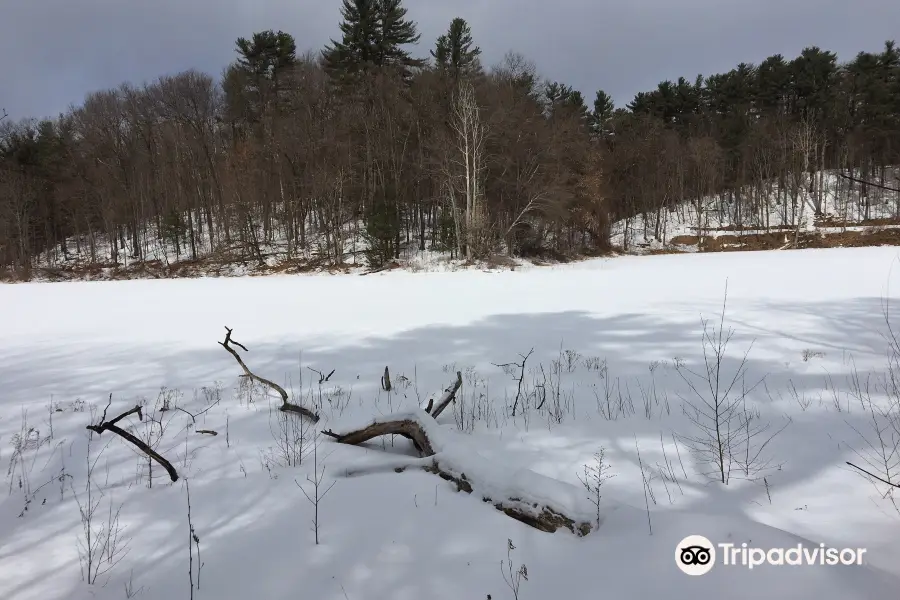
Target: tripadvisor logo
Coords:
[(696, 555)]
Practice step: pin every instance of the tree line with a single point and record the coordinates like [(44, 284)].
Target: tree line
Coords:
[(363, 148)]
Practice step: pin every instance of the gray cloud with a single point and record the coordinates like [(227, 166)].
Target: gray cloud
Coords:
[(52, 52)]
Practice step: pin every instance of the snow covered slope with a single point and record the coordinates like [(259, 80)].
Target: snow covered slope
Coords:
[(617, 345), (841, 208)]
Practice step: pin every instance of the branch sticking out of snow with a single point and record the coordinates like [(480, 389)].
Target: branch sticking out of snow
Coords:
[(536, 500), (286, 405), (110, 425), (448, 396)]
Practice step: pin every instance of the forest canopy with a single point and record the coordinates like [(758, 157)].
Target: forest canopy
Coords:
[(362, 147)]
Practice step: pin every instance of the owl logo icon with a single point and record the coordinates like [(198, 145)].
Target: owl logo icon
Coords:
[(695, 555)]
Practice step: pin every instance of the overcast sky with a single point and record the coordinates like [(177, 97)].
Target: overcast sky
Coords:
[(52, 52)]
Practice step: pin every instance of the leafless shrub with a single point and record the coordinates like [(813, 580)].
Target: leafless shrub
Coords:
[(613, 402), (323, 378), (570, 360), (801, 399), (62, 478), (291, 434), (880, 450), (249, 390), (317, 494), (595, 475), (512, 578), (595, 363), (52, 407), (474, 403), (553, 400), (338, 400), (212, 396), (716, 401), (102, 543), (749, 441), (153, 429), (25, 446), (808, 354), (403, 382), (167, 400), (130, 592), (517, 370), (835, 395), (651, 397)]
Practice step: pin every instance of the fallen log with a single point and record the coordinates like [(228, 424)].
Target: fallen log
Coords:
[(406, 428), (538, 501), (286, 405)]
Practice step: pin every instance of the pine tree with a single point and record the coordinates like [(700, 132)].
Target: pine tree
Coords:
[(561, 97), (773, 86), (642, 103), (254, 81), (601, 114), (455, 52), (356, 51), (888, 99), (396, 32), (814, 76), (267, 53), (374, 33)]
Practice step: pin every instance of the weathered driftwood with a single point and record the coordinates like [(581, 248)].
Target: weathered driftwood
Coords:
[(543, 518), (286, 405), (406, 428), (110, 425)]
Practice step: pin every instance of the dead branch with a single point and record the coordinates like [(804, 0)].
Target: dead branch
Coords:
[(540, 517), (870, 183), (448, 397), (208, 432), (110, 425), (322, 376), (896, 485), (194, 416), (286, 405)]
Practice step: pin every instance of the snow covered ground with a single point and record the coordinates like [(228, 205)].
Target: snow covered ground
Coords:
[(613, 340), (841, 207)]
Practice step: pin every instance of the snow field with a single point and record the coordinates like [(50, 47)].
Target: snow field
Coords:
[(612, 342)]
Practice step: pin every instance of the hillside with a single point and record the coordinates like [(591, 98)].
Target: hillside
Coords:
[(837, 214)]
